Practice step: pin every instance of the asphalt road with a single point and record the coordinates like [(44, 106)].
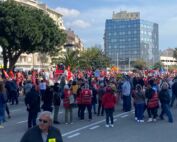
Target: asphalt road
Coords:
[(125, 128)]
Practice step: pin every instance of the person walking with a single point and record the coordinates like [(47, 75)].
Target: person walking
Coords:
[(109, 102), (44, 131), (165, 102), (32, 101)]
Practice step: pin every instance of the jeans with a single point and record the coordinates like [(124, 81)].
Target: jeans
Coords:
[(89, 109), (79, 110), (172, 99), (56, 111), (32, 116), (109, 115), (139, 109), (126, 103), (166, 110), (2, 114), (100, 108), (14, 97), (94, 107), (152, 112), (68, 113)]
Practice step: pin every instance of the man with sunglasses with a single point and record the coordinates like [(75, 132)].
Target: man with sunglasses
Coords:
[(44, 132)]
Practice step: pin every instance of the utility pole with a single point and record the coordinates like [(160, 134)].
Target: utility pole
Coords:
[(129, 64), (117, 60)]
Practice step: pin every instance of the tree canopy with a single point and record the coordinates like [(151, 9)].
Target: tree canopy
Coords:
[(139, 64), (26, 30), (89, 58)]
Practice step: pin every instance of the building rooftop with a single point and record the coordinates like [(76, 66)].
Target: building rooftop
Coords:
[(124, 15)]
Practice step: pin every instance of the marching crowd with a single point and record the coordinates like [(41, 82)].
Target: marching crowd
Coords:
[(99, 95)]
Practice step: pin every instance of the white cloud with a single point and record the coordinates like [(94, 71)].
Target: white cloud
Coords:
[(68, 12), (93, 22), (80, 24)]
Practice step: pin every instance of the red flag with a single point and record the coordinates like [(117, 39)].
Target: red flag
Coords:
[(6, 75), (11, 74)]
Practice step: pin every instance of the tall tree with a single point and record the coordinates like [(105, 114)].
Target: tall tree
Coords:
[(26, 30), (175, 53), (139, 64), (158, 65), (95, 58)]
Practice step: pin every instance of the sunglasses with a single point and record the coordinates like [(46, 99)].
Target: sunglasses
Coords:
[(43, 121)]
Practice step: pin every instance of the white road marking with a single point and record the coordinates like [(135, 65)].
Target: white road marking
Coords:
[(90, 125), (94, 127), (115, 120), (74, 135), (21, 122), (15, 110), (123, 116)]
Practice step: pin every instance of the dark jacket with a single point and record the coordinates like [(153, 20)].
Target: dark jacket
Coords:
[(174, 88), (47, 99), (34, 135), (33, 100), (56, 98), (164, 96)]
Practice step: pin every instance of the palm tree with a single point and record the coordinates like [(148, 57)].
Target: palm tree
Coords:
[(69, 58)]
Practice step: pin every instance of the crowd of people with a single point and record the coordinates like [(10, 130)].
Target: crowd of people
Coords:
[(99, 94)]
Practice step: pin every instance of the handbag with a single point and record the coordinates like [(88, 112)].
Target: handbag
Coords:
[(71, 99)]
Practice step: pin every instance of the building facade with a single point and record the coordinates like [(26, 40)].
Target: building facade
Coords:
[(128, 38), (73, 40)]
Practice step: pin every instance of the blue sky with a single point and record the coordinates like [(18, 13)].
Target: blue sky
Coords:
[(87, 17)]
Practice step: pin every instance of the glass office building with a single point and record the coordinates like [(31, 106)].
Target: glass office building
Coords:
[(128, 38)]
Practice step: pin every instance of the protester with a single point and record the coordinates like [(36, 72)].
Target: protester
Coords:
[(47, 99), (67, 102), (139, 100), (86, 101), (109, 102), (101, 92), (32, 101), (152, 102), (165, 102), (126, 90), (44, 132), (56, 102)]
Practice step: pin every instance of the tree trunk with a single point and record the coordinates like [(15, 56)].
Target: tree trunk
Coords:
[(13, 60), (5, 60)]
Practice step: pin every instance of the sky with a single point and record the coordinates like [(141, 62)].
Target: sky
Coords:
[(87, 17)]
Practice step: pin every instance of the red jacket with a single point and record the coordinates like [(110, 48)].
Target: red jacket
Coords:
[(109, 100), (66, 102), (153, 102), (86, 97)]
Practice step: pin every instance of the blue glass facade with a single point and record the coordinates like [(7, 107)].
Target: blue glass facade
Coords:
[(130, 40)]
